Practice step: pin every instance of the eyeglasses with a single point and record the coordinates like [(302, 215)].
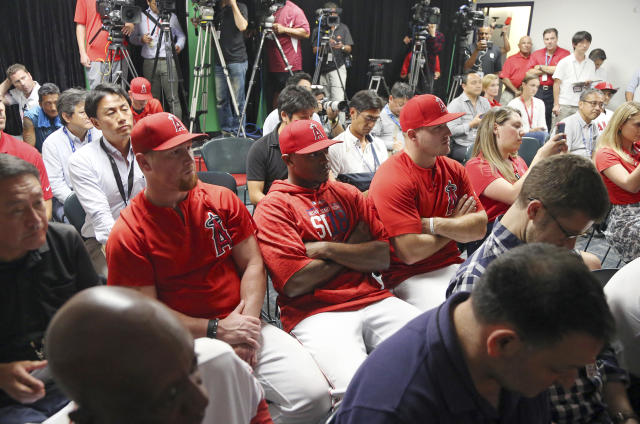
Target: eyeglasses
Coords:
[(568, 235), (594, 103)]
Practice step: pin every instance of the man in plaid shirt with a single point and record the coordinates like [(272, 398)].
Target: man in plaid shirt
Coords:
[(560, 199)]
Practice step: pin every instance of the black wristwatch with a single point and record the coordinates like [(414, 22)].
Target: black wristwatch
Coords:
[(212, 328), (622, 417)]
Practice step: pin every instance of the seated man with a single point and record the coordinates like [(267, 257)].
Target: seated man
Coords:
[(77, 131), (360, 152), (271, 122), (142, 101), (15, 147), (608, 91), (156, 355), (105, 175), (388, 127), (580, 127), (426, 203), (321, 242), (488, 357), (470, 105), (40, 121), (264, 160), (560, 199), (25, 91), (43, 264), (216, 287)]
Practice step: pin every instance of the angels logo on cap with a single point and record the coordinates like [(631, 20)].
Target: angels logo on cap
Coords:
[(317, 134), (176, 123), (143, 89), (443, 107)]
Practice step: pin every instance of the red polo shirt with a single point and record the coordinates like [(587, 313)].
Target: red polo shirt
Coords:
[(22, 150), (539, 57), (515, 68), (152, 106)]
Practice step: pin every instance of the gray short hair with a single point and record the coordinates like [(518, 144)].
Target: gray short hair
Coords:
[(68, 101)]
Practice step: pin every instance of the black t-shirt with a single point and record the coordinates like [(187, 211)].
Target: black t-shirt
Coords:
[(341, 33), (264, 161), (490, 59), (33, 288), (232, 39)]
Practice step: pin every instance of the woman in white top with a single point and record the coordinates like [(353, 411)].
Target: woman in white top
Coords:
[(532, 109)]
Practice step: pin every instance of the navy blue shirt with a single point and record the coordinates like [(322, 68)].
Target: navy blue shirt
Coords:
[(419, 375)]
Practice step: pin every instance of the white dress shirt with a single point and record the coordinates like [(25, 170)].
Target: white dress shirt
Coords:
[(349, 158), (146, 25), (570, 71), (388, 128), (94, 183), (537, 114), (56, 151), (15, 96)]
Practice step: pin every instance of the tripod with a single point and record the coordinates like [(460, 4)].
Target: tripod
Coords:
[(460, 45), (326, 54), (116, 47), (416, 69), (375, 81), (170, 57), (202, 74), (267, 32), (376, 73)]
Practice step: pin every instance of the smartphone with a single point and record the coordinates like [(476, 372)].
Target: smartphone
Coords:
[(560, 129)]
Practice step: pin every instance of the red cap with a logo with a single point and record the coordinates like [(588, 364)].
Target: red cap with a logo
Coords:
[(140, 89), (304, 137), (160, 131), (605, 86), (426, 110)]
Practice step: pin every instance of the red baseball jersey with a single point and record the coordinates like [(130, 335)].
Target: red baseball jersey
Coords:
[(403, 193), (152, 106), (287, 218), (515, 68), (189, 260), (482, 173), (606, 158), (14, 147)]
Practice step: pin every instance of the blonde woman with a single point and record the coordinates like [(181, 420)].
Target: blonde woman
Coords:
[(531, 109), (617, 156), (495, 170), (490, 88)]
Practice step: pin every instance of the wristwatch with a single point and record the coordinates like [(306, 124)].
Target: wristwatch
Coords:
[(622, 417), (212, 328)]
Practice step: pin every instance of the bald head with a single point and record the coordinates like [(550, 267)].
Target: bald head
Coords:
[(525, 45), (121, 355)]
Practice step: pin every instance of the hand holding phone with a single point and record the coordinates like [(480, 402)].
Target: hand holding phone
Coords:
[(560, 126)]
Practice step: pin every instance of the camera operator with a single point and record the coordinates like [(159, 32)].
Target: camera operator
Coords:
[(332, 120), (290, 26), (333, 75), (486, 57), (434, 45), (92, 47), (147, 34)]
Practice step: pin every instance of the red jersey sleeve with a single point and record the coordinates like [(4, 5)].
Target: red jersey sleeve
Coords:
[(128, 258), (480, 174), (467, 188), (606, 158), (406, 64), (44, 178), (437, 65), (300, 20), (80, 16), (280, 242)]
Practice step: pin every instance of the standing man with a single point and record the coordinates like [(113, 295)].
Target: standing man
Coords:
[(581, 129), (234, 23), (486, 57), (105, 175), (142, 101), (426, 204), (43, 264), (41, 121), (543, 62), (388, 127), (25, 91), (147, 33), (573, 75), (93, 41), (631, 92), (15, 147), (217, 286), (514, 70), (264, 160), (333, 74), (291, 26), (470, 106), (77, 131), (488, 357)]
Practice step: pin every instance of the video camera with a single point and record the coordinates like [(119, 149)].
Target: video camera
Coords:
[(167, 6), (466, 19), (376, 67), (117, 13), (423, 14), (205, 9), (327, 18)]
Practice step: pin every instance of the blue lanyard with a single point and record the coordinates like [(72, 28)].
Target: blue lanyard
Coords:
[(547, 58), (73, 146), (589, 146), (392, 116)]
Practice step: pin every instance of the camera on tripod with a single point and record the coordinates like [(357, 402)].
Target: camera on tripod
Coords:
[(166, 6), (327, 18), (376, 67), (423, 14), (117, 13), (466, 19)]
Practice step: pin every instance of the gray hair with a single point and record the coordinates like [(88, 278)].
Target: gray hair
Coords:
[(68, 101)]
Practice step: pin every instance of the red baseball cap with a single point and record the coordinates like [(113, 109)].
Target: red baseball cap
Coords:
[(426, 110), (160, 131), (140, 89), (304, 137), (605, 86)]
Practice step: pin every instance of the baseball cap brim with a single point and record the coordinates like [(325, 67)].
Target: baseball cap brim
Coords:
[(136, 96), (444, 119), (176, 141), (318, 145)]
